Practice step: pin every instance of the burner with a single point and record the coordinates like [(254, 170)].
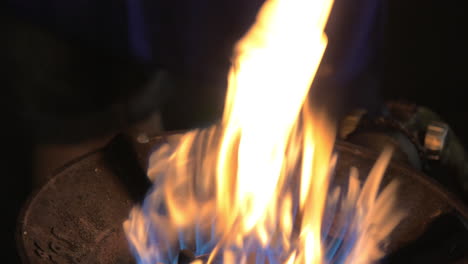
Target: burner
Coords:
[(77, 216)]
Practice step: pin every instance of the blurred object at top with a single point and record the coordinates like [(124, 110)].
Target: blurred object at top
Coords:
[(193, 40), (64, 91)]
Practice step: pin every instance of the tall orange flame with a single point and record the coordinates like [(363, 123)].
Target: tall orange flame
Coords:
[(260, 179)]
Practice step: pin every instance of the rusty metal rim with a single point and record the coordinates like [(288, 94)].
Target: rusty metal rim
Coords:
[(430, 183), (34, 194), (457, 205)]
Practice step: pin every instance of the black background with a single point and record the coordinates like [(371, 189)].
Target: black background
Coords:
[(426, 58)]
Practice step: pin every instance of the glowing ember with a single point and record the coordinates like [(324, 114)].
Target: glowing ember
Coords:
[(255, 188)]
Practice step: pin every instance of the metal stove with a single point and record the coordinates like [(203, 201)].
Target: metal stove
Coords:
[(76, 217)]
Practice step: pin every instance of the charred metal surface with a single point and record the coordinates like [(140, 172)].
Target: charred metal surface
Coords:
[(445, 241), (421, 197), (77, 216), (421, 137)]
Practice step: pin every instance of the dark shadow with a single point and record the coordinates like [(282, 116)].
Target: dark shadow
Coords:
[(445, 241), (122, 160)]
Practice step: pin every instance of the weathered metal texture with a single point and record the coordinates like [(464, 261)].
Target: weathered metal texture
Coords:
[(77, 216), (421, 197)]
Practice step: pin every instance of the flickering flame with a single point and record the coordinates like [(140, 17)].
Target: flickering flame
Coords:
[(255, 188)]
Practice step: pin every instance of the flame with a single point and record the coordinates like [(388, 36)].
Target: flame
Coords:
[(255, 188)]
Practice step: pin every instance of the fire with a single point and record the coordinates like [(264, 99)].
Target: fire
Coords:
[(255, 188)]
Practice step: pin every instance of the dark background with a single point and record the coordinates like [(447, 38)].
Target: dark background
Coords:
[(101, 53), (426, 58)]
